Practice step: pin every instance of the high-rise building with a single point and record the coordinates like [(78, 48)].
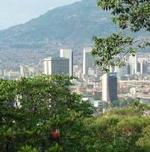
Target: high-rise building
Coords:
[(68, 53), (109, 87), (133, 64), (142, 67), (88, 60), (54, 66), (26, 71), (138, 67), (128, 69)]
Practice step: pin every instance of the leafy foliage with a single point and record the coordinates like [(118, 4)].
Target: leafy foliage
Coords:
[(110, 51), (113, 132), (144, 141), (32, 108), (28, 149), (133, 14)]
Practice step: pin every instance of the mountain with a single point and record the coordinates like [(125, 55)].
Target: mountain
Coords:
[(70, 26)]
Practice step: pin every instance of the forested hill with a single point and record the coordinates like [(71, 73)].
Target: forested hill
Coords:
[(69, 25)]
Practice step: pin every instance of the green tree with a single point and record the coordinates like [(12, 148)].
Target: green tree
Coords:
[(118, 131), (110, 51), (32, 108), (133, 14), (144, 141), (28, 149)]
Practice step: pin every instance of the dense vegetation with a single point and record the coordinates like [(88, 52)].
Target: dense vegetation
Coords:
[(31, 109), (133, 15), (111, 51)]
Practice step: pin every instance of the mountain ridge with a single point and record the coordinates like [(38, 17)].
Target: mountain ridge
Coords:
[(69, 25)]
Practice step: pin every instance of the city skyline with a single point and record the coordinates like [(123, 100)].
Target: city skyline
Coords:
[(74, 76)]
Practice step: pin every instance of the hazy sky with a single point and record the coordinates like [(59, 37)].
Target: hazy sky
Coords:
[(13, 12)]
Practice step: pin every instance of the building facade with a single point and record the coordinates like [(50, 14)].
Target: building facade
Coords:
[(68, 53), (56, 66), (109, 87), (88, 60), (133, 64)]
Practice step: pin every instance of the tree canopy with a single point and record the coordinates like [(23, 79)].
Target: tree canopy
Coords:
[(132, 14), (128, 14), (33, 108), (110, 51)]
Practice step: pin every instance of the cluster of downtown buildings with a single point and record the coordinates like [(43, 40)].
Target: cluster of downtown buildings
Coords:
[(90, 79), (64, 65)]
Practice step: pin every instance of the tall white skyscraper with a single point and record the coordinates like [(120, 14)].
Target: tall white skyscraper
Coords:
[(47, 66), (109, 87), (68, 53), (105, 93), (52, 66), (133, 64), (88, 60), (142, 66)]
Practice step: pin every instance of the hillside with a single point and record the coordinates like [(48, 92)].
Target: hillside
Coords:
[(70, 26)]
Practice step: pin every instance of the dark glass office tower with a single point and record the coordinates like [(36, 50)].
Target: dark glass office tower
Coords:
[(109, 87)]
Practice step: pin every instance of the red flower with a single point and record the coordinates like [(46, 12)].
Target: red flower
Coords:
[(55, 134)]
